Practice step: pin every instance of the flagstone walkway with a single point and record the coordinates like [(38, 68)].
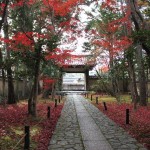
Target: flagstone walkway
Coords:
[(83, 127)]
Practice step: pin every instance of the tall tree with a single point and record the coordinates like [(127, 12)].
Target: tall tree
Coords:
[(39, 26), (140, 26), (109, 37), (11, 93)]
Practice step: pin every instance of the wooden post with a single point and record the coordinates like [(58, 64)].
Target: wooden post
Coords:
[(97, 100), (48, 112), (91, 97), (27, 138), (55, 102), (127, 116), (105, 105)]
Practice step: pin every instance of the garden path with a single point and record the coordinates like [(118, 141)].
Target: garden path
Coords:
[(83, 127)]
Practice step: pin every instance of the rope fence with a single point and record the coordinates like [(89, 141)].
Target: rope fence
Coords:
[(19, 142), (26, 136)]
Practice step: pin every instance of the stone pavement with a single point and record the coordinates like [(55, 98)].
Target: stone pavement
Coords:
[(83, 127)]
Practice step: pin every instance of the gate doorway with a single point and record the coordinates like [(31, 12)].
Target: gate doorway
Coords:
[(74, 82)]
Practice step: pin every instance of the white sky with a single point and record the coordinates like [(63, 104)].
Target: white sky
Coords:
[(77, 45)]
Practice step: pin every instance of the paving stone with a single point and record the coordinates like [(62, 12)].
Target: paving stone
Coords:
[(133, 146), (83, 127), (116, 135), (142, 148), (54, 147), (67, 133), (123, 146), (62, 143), (69, 148), (59, 148), (78, 147)]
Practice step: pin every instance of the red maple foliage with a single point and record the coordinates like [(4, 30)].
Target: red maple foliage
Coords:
[(48, 126), (50, 10), (47, 82), (59, 56), (111, 30), (60, 7), (16, 116)]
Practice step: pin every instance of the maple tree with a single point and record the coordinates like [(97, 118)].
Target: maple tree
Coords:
[(113, 34), (33, 31), (35, 24), (108, 36)]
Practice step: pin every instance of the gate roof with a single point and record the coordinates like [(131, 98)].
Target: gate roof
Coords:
[(78, 63)]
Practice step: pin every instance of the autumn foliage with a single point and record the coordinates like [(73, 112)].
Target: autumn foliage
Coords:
[(110, 37), (48, 82), (139, 127), (15, 117)]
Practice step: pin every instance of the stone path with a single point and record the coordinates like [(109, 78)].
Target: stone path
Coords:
[(67, 135), (83, 127)]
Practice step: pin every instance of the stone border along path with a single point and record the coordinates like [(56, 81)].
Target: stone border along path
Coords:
[(83, 127)]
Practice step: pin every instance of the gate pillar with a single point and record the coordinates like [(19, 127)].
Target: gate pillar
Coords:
[(87, 79)]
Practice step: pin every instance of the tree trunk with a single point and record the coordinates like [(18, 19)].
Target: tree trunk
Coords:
[(141, 76), (139, 22), (3, 82), (25, 89), (114, 79), (4, 13), (133, 88), (35, 89), (3, 73), (17, 85), (11, 93), (33, 98), (53, 90), (30, 101)]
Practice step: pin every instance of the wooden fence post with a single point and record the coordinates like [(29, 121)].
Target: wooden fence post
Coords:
[(127, 116), (97, 100), (48, 111), (55, 102), (105, 105), (27, 138)]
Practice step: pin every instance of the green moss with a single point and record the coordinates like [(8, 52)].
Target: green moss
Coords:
[(20, 131), (35, 130), (6, 138), (17, 130), (108, 98)]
